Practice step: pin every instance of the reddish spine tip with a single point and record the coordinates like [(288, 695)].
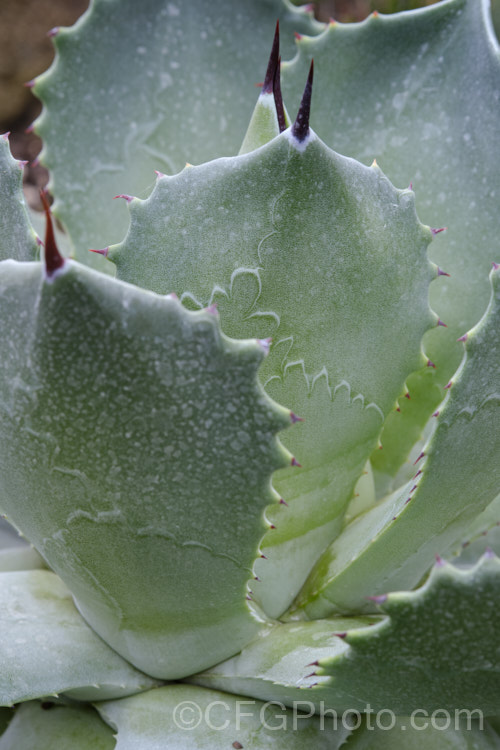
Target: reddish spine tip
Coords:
[(294, 418), (283, 502), (35, 162), (264, 344), (410, 186), (442, 273), (419, 458), (126, 197), (496, 266), (375, 14), (237, 745), (398, 408), (297, 36), (29, 129), (30, 84), (22, 163), (436, 414), (417, 474), (53, 32), (38, 241), (312, 674), (378, 599), (300, 128), (5, 136), (159, 174), (488, 553), (103, 251), (439, 561), (407, 395), (464, 337), (267, 86), (437, 231), (431, 364), (53, 258), (272, 526), (313, 664), (341, 635), (263, 557), (448, 385), (440, 323), (296, 463), (212, 309)]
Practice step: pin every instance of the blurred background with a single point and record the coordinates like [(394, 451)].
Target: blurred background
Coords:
[(26, 51)]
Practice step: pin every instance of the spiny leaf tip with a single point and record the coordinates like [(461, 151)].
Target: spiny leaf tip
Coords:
[(53, 258), (300, 128)]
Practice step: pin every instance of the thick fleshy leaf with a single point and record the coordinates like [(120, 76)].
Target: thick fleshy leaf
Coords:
[(17, 237), (279, 663), (324, 255), (183, 717), (137, 449), (46, 726), (47, 648), (438, 648), (393, 544), (159, 84), (420, 93)]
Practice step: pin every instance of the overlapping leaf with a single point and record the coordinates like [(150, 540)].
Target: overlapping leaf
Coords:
[(136, 455), (437, 649), (178, 717), (46, 726), (143, 86), (47, 648), (419, 92), (391, 546), (296, 242)]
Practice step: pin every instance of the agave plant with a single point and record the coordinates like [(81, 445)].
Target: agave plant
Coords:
[(256, 475)]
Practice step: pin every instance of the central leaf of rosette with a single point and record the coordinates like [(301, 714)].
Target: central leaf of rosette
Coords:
[(324, 255)]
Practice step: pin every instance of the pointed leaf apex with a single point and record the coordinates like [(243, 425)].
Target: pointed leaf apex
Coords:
[(278, 99), (53, 258), (103, 251), (300, 128), (268, 85), (265, 344), (378, 599)]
